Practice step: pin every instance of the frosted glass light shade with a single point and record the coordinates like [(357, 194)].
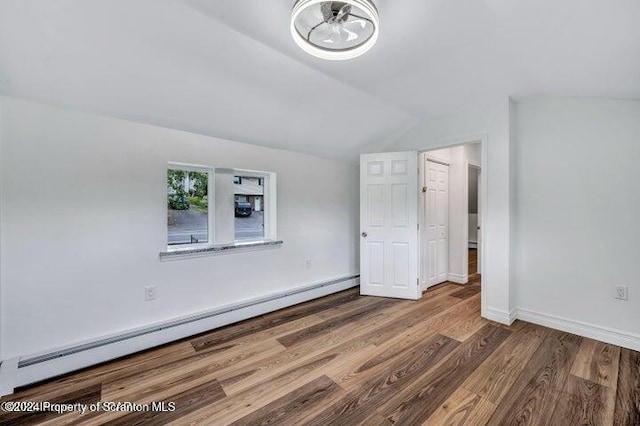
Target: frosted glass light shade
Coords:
[(335, 30)]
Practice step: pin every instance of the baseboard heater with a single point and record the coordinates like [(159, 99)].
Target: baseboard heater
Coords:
[(226, 315)]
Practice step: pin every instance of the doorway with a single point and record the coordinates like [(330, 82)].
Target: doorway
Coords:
[(395, 257), (474, 215), (434, 211), (449, 215)]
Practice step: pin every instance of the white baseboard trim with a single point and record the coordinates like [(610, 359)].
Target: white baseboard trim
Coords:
[(603, 334), (8, 373), (457, 278), (37, 367), (498, 315)]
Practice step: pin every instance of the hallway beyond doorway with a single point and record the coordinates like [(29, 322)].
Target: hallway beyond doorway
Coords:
[(473, 264)]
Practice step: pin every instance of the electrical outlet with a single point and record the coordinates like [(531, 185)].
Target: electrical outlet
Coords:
[(307, 264), (622, 292), (150, 293)]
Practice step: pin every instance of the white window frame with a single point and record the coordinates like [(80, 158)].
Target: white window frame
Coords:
[(269, 209), (210, 203)]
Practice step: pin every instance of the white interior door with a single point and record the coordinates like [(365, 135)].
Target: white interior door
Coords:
[(436, 232), (389, 222)]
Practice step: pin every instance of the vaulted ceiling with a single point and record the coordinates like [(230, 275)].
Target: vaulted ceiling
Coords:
[(228, 68)]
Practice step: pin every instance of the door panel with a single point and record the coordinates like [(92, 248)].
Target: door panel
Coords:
[(375, 205), (435, 236), (376, 265), (388, 221), (400, 204), (401, 265)]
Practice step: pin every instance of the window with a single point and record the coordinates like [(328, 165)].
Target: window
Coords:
[(219, 207), (249, 208), (188, 192)]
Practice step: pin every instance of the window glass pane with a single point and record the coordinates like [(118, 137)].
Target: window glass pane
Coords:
[(187, 207), (249, 208)]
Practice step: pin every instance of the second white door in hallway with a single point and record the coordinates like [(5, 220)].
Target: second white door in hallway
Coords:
[(435, 235)]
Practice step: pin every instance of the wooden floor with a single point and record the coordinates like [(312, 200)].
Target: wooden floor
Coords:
[(473, 261), (347, 360)]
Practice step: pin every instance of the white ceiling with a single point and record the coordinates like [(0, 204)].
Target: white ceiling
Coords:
[(229, 68)]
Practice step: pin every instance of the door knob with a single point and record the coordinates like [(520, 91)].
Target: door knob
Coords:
[(364, 235)]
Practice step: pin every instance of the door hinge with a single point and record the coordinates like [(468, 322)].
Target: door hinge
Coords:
[(418, 281), (418, 226)]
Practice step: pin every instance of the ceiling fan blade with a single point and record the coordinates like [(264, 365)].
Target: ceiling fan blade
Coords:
[(350, 34), (322, 34), (356, 24), (325, 9), (344, 11)]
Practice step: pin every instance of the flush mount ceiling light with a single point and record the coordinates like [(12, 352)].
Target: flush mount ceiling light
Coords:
[(334, 30)]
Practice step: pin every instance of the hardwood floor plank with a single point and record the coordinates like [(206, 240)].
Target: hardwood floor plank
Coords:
[(393, 339), (343, 308), (254, 325), (269, 333), (293, 406), (112, 370), (533, 397), (467, 292), (464, 307), (415, 314), (627, 410), (462, 408), (465, 325), (597, 362), (493, 379), (334, 323), (164, 383), (362, 333), (202, 366), (86, 395), (264, 392), (516, 326), (185, 402), (359, 404), (380, 358), (583, 402), (351, 337), (445, 288), (452, 318), (416, 403)]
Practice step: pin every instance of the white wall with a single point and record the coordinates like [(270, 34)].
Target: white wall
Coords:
[(512, 196), (458, 257), (490, 121), (577, 189), (459, 209), (84, 218), (1, 215), (443, 154), (473, 153)]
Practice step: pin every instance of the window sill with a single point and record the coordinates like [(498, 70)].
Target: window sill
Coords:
[(182, 252)]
